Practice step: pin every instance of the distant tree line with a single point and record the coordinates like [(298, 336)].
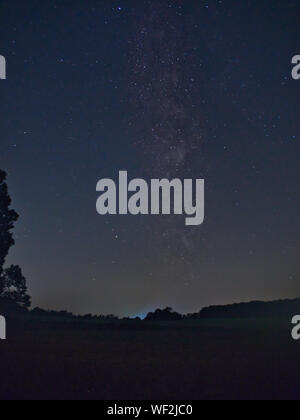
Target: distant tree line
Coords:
[(281, 308), (42, 313)]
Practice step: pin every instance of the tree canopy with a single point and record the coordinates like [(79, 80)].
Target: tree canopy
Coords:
[(12, 281)]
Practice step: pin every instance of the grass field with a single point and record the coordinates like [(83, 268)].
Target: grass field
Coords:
[(185, 360)]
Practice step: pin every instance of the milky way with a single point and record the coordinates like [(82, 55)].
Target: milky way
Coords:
[(167, 116)]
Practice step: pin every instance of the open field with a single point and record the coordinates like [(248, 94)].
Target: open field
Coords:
[(185, 360)]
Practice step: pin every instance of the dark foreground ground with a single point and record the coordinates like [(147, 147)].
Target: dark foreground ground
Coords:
[(185, 360)]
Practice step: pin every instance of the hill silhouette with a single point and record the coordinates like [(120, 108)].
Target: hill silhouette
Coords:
[(256, 309)]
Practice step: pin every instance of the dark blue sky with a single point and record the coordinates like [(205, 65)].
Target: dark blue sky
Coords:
[(171, 88)]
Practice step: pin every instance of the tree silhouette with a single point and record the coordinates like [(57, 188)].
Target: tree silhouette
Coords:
[(7, 219), (166, 314), (12, 281)]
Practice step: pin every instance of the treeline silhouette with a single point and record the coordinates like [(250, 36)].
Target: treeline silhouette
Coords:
[(257, 309), (42, 313), (275, 309)]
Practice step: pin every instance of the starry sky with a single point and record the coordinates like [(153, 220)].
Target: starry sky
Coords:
[(199, 89)]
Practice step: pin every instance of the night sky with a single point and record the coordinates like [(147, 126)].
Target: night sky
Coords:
[(199, 89)]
